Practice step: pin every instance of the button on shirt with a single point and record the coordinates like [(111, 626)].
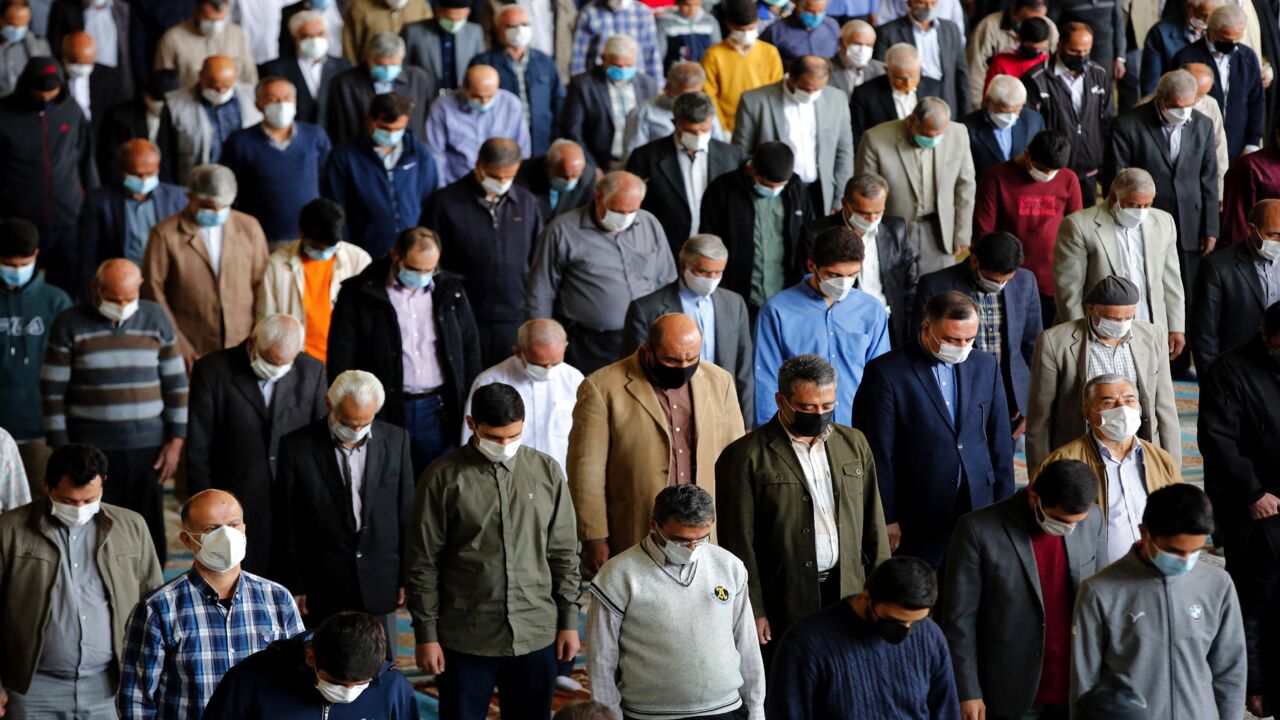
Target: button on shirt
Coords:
[(622, 100), (802, 136), (139, 218), (926, 42), (677, 407), (1269, 276), (1133, 253), (817, 477), (904, 103), (702, 309), (1074, 83), (548, 406), (416, 318), (693, 170), (1104, 359), (77, 635), (99, 23), (353, 459), (1126, 498), (212, 237)]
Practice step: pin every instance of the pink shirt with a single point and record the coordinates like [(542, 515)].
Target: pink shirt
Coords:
[(416, 318)]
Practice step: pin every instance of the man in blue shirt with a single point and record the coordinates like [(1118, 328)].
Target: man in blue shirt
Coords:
[(822, 315), (806, 32), (459, 123)]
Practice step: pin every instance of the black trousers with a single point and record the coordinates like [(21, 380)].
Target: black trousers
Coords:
[(496, 341), (525, 685), (131, 483), (1088, 189), (589, 350), (1188, 265), (1048, 310)]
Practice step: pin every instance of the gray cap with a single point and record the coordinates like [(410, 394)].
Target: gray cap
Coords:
[(1113, 290)]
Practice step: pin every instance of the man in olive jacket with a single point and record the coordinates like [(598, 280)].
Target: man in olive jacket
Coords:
[(798, 503)]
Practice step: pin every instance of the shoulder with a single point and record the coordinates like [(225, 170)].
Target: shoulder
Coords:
[(279, 594), (714, 374), (128, 521), (16, 521), (851, 438)]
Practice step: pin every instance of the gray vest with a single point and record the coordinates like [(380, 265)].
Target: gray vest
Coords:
[(194, 132)]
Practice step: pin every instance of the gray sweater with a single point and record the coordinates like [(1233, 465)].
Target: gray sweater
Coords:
[(1179, 640)]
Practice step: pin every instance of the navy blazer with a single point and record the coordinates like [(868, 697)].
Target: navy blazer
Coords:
[(1022, 322), (982, 138), (1243, 112), (542, 83), (102, 224), (919, 451), (1164, 40), (586, 119)]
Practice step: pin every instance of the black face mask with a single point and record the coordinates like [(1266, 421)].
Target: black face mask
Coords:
[(1074, 63), (889, 630), (670, 378), (1224, 46), (1028, 52), (809, 424)]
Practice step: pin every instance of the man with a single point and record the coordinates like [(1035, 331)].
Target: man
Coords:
[(66, 612), (721, 314), (806, 32), (655, 118), (1107, 340), (308, 64), (852, 66), (1258, 594), (740, 62), (760, 211), (112, 26), (997, 33), (365, 20), (198, 119), (1207, 106), (552, 25), (1237, 77), (926, 161), (1072, 93), (121, 355), (18, 45), (243, 400), (937, 394), (672, 591), (589, 265), (381, 176), (1011, 578), (339, 671), (563, 180), (1251, 179), (136, 118), (330, 12), (1169, 36), (1001, 129), (183, 637), (444, 45), (661, 397), (459, 123), (94, 87), (815, 124), (1009, 319), (600, 20), (382, 71), (1175, 602), (677, 168), (892, 96), (1235, 286), (1128, 237), (204, 266), (340, 502), (482, 619), (686, 34), (277, 162), (1032, 49), (527, 73), (822, 315), (599, 100), (186, 46), (117, 218), (488, 228), (1110, 25), (940, 43), (409, 323), (824, 553), (880, 638)]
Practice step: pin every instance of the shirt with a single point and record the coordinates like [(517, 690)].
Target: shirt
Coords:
[(768, 251), (677, 408), (991, 322), (1074, 83), (542, 20), (926, 42), (731, 72), (100, 24), (448, 58), (1104, 359), (353, 459), (817, 477), (1051, 567), (1133, 254), (317, 305), (415, 316), (1173, 137), (79, 87), (802, 136), (1126, 498), (1004, 137), (869, 280), (212, 237), (548, 406), (268, 390), (15, 491), (1269, 277), (139, 218), (225, 120), (693, 170), (596, 22), (904, 103), (702, 309), (622, 100), (312, 70), (455, 132), (1223, 61), (77, 635)]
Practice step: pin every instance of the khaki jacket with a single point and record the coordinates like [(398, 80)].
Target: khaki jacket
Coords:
[(209, 312), (29, 558), (285, 284), (619, 447), (1159, 469), (366, 18)]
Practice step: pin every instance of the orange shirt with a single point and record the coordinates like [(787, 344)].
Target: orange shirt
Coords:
[(316, 304)]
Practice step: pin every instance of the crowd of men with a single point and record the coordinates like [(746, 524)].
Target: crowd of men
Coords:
[(719, 320)]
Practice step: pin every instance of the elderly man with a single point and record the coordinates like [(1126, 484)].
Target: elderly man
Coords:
[(1173, 33), (113, 27), (563, 180), (198, 118), (204, 266), (926, 161), (169, 668), (121, 355), (527, 73), (1003, 126), (655, 117), (444, 44), (364, 20), (740, 62), (660, 397), (243, 400), (824, 553), (1107, 340), (66, 613), (18, 44), (808, 31), (852, 65), (600, 20), (815, 124), (997, 33), (460, 122), (1207, 106), (185, 46), (721, 314), (590, 263), (600, 99), (892, 96), (310, 63), (1244, 109), (94, 87), (382, 71), (941, 46)]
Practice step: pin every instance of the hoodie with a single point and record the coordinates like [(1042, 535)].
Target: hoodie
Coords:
[(26, 313)]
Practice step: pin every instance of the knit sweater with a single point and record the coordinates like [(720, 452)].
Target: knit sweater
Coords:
[(118, 387), (833, 666), (25, 316), (274, 184), (1010, 200)]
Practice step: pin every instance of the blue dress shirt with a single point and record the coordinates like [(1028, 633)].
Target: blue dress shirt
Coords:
[(702, 310), (1004, 137)]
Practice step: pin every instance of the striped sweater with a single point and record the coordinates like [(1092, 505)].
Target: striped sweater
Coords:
[(115, 387)]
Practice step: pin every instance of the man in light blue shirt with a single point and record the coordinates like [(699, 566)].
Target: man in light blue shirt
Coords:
[(461, 122), (822, 315)]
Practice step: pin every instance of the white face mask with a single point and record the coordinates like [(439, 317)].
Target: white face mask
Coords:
[(802, 97), (744, 38), (314, 48), (117, 313), (216, 98), (678, 554), (266, 371), (616, 221), (952, 354), (856, 56), (1053, 526), (221, 549), (537, 373), (988, 285), (1270, 250), (209, 28), (862, 225), (75, 515), (703, 286), (345, 433), (695, 142), (1176, 116), (79, 70), (1039, 176), (518, 36), (280, 115), (1132, 217), (339, 694), (495, 451), (1119, 423), (836, 288), (495, 187), (1113, 329), (1003, 120)]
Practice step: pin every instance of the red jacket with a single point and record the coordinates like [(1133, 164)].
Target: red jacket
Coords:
[(1010, 63)]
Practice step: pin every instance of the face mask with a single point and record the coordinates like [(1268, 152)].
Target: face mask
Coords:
[(620, 74), (811, 20), (1003, 121), (777, 3), (518, 36), (695, 142), (1028, 53), (221, 549), (482, 107), (703, 286), (1053, 526), (802, 97), (318, 254), (890, 630), (1224, 46), (836, 288), (1042, 177), (117, 313), (207, 218), (215, 98), (807, 424), (670, 378), (13, 33), (616, 221), (154, 107), (345, 433), (280, 115), (17, 276), (1074, 63), (562, 185), (1174, 565), (678, 554), (536, 373), (765, 191), (339, 694), (266, 371), (744, 38), (453, 27), (862, 225), (856, 56), (926, 142), (1132, 217), (79, 70), (497, 452), (385, 73), (988, 285), (75, 515), (314, 48), (951, 354), (387, 138), (1270, 250), (1119, 423), (1113, 329), (1175, 116), (924, 14), (620, 5), (495, 187), (904, 88), (414, 280), (141, 185), (209, 28)]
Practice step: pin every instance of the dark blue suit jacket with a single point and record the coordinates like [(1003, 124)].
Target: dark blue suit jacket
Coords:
[(586, 119), (1242, 115), (982, 138), (1022, 322), (101, 225), (378, 207), (919, 451), (542, 82), (1165, 39)]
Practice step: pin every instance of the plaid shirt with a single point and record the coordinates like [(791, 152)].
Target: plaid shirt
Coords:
[(622, 100), (1105, 359), (596, 22), (991, 317), (180, 641)]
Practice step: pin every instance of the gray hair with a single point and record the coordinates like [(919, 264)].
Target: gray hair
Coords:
[(557, 147), (1227, 17), (798, 369), (620, 45), (703, 245), (302, 18), (384, 45), (688, 505), (1132, 180), (930, 108), (686, 75), (1176, 84), (215, 182), (614, 181), (361, 386), (868, 185), (503, 10), (1203, 5), (902, 55), (269, 80), (540, 331), (279, 331), (694, 107), (1007, 90), (1091, 387), (854, 26)]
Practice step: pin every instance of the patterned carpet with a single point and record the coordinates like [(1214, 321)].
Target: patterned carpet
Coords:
[(180, 561)]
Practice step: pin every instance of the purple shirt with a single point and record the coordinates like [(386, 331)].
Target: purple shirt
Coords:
[(455, 132), (416, 318), (793, 40)]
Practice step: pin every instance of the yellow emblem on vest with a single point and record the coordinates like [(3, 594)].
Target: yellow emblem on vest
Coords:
[(721, 594)]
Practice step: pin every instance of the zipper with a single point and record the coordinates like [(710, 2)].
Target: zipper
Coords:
[(1168, 623), (48, 170)]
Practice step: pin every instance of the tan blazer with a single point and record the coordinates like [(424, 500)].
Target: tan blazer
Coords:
[(1159, 468), (284, 286), (210, 312), (619, 447), (887, 149), (1058, 376), (1087, 251)]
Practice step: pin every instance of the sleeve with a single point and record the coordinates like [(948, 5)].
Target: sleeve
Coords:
[(744, 126), (173, 385), (1152, 62), (1000, 437), (90, 242), (1227, 658), (769, 356), (603, 628), (344, 340), (1208, 184), (1070, 267), (985, 207), (844, 156), (544, 277), (582, 40), (795, 681), (15, 491), (437, 135), (875, 534), (712, 85), (55, 376), (562, 553), (284, 558), (1032, 324), (965, 190), (634, 328), (466, 410), (201, 423), (142, 665), (959, 613), (1257, 109), (166, 53), (1040, 402), (744, 370), (230, 700), (350, 43), (470, 342), (88, 167), (267, 303), (1088, 644), (735, 516), (649, 45), (167, 143), (573, 119), (635, 134), (1220, 434), (406, 486), (424, 541), (1205, 310), (1259, 594), (943, 702), (750, 664), (875, 414), (1164, 401), (155, 269), (961, 79), (588, 461)]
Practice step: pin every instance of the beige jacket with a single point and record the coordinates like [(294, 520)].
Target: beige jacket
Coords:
[(1159, 469), (990, 39), (284, 285), (184, 49), (366, 18)]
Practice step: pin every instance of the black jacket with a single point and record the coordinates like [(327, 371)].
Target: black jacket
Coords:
[(872, 103), (107, 88), (728, 211), (1258, 579), (316, 549), (1087, 129), (46, 161), (1105, 17), (533, 177), (119, 123), (658, 165), (233, 437), (67, 16), (351, 91), (1229, 303), (955, 67), (310, 109), (364, 335), (586, 119)]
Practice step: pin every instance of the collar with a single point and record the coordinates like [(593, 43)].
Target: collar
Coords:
[(691, 296), (1135, 454), (206, 591), (1096, 338), (1061, 70)]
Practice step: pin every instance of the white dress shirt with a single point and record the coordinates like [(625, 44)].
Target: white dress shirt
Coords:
[(904, 103), (1223, 61), (311, 72), (213, 243), (802, 136), (1073, 82), (260, 20), (1133, 254), (694, 173), (869, 278), (99, 23), (79, 87), (153, 125), (548, 406), (817, 476), (926, 42), (1126, 499), (268, 389), (1173, 136)]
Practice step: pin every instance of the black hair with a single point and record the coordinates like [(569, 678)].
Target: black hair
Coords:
[(798, 369), (1033, 29), (949, 305), (18, 238), (1067, 485), (1028, 4), (412, 238), (161, 82), (774, 161), (499, 152), (837, 245), (741, 12), (693, 107), (1270, 321), (350, 646), (1050, 148), (78, 462), (805, 65), (690, 505), (321, 221), (1068, 29), (998, 252), (905, 581), (496, 405), (1178, 509), (390, 107), (215, 4)]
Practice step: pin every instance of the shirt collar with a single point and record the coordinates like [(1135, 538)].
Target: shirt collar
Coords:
[(795, 440), (689, 295), (206, 591), (1061, 70), (1135, 455)]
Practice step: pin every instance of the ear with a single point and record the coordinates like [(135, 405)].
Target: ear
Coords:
[(310, 656)]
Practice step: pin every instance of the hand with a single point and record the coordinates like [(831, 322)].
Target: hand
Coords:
[(400, 597), (430, 658), (594, 554), (1177, 343), (4, 702), (1207, 245), (763, 633), (1117, 68), (189, 361), (1265, 507), (973, 710), (961, 250), (895, 536), (567, 645), (167, 460), (301, 602), (1019, 427), (1255, 704)]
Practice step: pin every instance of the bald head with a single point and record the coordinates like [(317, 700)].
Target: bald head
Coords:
[(619, 191), (565, 160), (218, 73), (674, 340), (1204, 78), (78, 48), (207, 511), (139, 157), (481, 84), (1265, 216), (117, 281)]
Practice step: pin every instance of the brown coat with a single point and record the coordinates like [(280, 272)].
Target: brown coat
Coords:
[(1159, 469), (209, 312), (619, 447)]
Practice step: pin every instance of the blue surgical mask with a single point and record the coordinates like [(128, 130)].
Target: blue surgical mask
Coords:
[(17, 276), (559, 184), (321, 4), (318, 254), (13, 33), (620, 74), (207, 218), (387, 138), (140, 185), (481, 107), (414, 280), (767, 192), (1174, 565), (811, 20), (385, 73), (926, 142)]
